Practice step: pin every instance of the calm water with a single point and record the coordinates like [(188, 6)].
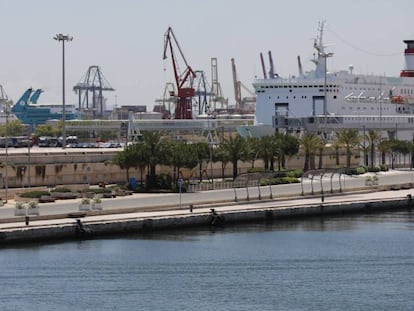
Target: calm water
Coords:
[(348, 263)]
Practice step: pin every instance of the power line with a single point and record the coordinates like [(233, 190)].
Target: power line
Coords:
[(361, 49)]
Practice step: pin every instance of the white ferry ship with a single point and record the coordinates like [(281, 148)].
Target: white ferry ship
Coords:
[(323, 102)]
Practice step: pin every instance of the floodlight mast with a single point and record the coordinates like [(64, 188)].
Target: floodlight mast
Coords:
[(63, 37)]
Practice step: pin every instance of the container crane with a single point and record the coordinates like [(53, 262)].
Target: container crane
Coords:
[(184, 80)]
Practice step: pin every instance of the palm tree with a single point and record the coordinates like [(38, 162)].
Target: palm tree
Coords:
[(202, 152), (219, 154), (288, 146), (265, 150), (348, 138), (157, 151), (310, 144), (235, 147), (373, 138), (252, 149), (384, 146)]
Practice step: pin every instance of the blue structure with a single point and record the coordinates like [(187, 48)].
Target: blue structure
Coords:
[(29, 112)]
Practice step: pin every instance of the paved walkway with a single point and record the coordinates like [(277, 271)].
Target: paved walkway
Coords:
[(286, 202)]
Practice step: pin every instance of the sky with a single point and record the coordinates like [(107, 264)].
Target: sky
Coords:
[(125, 38)]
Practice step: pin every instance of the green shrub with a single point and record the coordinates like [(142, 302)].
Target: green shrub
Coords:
[(295, 173), (279, 181), (280, 174), (100, 190), (34, 194), (374, 169), (384, 167), (355, 170), (61, 189), (256, 170)]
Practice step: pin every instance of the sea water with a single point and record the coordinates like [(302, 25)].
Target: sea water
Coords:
[(363, 262)]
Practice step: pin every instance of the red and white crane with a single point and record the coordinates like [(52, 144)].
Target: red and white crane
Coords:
[(184, 80)]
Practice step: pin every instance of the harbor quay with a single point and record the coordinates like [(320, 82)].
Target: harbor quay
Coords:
[(140, 213)]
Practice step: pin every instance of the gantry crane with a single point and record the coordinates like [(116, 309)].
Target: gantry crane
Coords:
[(184, 80), (93, 82)]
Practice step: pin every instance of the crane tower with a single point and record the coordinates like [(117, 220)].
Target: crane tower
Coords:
[(184, 80)]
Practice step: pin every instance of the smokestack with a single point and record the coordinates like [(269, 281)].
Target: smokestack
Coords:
[(409, 59)]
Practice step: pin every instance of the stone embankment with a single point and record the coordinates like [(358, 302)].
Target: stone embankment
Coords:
[(105, 223)]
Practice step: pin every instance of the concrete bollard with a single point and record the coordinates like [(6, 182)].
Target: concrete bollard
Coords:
[(191, 208), (26, 220)]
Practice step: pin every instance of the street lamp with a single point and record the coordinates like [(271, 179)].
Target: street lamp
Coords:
[(210, 145), (63, 37), (325, 104), (6, 186)]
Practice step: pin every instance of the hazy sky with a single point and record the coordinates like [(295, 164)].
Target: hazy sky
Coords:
[(126, 37)]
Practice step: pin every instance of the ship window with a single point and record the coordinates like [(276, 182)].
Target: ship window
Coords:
[(285, 86), (295, 86), (290, 90), (334, 97)]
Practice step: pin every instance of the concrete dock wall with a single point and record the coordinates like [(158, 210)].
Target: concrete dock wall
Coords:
[(91, 229)]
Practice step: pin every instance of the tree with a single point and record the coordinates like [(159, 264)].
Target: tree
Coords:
[(399, 147), (12, 128), (373, 138), (310, 144), (235, 147), (220, 154), (125, 159), (288, 146), (265, 150), (202, 153), (45, 130), (183, 155), (252, 150), (384, 146), (348, 138), (157, 153)]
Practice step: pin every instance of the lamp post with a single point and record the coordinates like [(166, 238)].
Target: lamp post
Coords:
[(210, 146), (6, 185), (63, 37), (325, 104)]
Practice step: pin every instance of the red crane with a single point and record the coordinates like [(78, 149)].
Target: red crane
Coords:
[(184, 80)]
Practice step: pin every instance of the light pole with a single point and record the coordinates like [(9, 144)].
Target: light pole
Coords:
[(325, 104), (210, 142), (63, 37), (6, 186)]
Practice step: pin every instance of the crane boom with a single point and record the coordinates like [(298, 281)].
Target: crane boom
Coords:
[(263, 66), (184, 80)]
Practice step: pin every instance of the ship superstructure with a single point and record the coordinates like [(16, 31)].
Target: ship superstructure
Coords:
[(31, 113), (324, 101)]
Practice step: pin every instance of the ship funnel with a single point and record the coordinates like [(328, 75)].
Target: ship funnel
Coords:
[(409, 59)]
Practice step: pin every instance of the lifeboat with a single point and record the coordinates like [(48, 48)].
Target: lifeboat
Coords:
[(397, 99)]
